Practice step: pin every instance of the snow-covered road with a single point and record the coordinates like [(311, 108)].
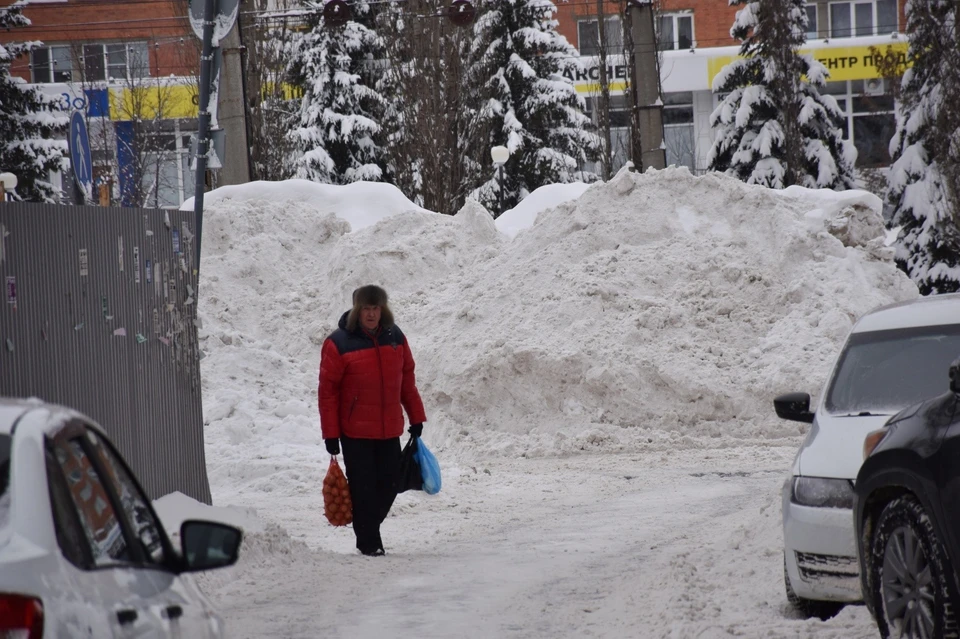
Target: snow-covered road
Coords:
[(598, 383), (653, 544)]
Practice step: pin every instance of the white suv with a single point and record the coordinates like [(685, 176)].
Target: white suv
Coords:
[(894, 357), (82, 552)]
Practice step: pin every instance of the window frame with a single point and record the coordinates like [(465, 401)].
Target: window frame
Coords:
[(875, 27), (675, 17), (77, 430), (677, 102), (847, 101), (612, 24), (105, 65), (814, 33), (118, 463), (57, 481), (49, 65)]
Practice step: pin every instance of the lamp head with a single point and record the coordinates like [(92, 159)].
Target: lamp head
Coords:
[(500, 154), (9, 180)]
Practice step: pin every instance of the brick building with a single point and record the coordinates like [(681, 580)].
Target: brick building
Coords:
[(695, 45), (129, 66)]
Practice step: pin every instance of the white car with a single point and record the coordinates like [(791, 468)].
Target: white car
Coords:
[(894, 357), (82, 552)]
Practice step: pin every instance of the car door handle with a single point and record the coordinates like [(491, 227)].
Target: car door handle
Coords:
[(126, 616), (174, 612)]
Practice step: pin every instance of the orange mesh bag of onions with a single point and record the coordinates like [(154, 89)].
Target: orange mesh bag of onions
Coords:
[(336, 496)]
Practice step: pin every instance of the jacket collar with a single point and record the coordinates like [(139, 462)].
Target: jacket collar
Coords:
[(360, 330)]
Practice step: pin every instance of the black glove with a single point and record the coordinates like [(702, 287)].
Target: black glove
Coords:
[(333, 445), (415, 430)]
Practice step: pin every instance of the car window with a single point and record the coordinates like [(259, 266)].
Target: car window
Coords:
[(145, 526), (5, 441), (886, 371), (97, 516), (70, 536)]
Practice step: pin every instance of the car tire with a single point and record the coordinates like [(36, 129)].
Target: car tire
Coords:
[(823, 610), (909, 573)]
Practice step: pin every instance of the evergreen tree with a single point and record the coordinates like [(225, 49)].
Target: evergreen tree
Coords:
[(531, 108), (925, 175), (29, 123), (430, 126), (773, 127), (335, 137)]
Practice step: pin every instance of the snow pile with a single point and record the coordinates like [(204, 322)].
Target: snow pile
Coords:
[(362, 203), (655, 310), (524, 214), (661, 300)]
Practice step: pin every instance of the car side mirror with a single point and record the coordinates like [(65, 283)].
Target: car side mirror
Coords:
[(794, 406), (955, 376), (208, 545)]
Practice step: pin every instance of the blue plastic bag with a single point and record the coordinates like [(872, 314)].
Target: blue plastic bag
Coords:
[(429, 468)]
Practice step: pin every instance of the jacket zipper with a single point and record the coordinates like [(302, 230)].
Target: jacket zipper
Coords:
[(352, 405), (376, 346), (383, 422)]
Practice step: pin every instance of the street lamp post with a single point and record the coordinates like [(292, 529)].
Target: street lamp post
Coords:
[(500, 154), (8, 182)]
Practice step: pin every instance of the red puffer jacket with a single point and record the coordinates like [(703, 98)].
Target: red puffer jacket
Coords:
[(364, 381)]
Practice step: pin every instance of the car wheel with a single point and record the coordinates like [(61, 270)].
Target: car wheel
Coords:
[(809, 607), (908, 574)]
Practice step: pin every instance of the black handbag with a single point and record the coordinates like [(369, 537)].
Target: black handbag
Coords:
[(409, 477)]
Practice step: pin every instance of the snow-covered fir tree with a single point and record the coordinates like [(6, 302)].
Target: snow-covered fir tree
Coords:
[(531, 107), (773, 127), (429, 126), (30, 127), (335, 138), (925, 175)]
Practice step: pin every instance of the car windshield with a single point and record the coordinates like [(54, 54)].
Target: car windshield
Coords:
[(883, 372), (4, 478)]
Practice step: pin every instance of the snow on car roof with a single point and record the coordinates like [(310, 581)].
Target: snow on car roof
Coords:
[(925, 311), (10, 411), (12, 408)]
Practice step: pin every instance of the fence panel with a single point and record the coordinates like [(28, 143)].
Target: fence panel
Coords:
[(99, 314)]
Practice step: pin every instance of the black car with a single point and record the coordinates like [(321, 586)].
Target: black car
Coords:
[(907, 518)]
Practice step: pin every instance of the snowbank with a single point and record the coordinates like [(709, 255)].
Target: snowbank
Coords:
[(362, 203), (523, 215), (659, 309)]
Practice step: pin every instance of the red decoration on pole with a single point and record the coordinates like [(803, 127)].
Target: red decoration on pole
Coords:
[(461, 12), (336, 13)]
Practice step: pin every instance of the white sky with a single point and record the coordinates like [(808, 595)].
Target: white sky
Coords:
[(598, 368)]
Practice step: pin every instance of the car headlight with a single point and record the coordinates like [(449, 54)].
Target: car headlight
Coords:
[(821, 492)]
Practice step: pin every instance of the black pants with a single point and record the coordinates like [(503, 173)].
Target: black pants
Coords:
[(373, 466)]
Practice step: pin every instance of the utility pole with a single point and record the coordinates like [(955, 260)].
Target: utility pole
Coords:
[(602, 105), (645, 84), (231, 114)]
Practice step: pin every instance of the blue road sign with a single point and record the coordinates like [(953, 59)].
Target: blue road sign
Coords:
[(80, 151)]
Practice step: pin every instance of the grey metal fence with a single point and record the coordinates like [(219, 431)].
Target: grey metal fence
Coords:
[(99, 314)]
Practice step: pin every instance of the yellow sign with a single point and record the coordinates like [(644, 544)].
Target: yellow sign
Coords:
[(594, 87), (148, 102), (843, 63)]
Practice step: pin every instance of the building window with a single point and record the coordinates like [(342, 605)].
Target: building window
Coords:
[(675, 31), (588, 36), (868, 118), (115, 62), (51, 64), (812, 32), (678, 132), (858, 19), (619, 117)]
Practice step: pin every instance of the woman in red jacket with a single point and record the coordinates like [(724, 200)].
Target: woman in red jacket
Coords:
[(366, 381)]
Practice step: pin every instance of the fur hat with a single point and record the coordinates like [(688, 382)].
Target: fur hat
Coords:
[(369, 295)]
